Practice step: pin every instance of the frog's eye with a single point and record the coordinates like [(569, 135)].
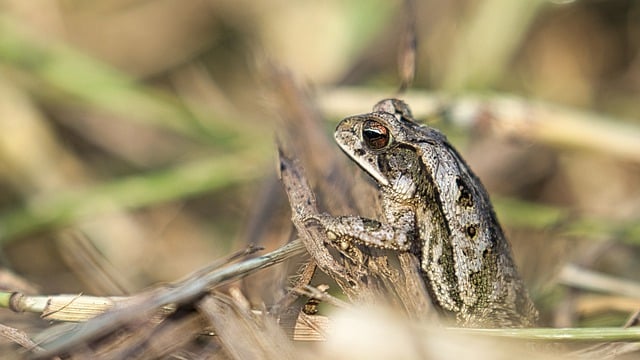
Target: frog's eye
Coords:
[(375, 135)]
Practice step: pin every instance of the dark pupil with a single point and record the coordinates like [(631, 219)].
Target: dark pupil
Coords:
[(375, 135)]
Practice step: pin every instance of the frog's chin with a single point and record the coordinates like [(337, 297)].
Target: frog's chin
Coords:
[(380, 179), (365, 164)]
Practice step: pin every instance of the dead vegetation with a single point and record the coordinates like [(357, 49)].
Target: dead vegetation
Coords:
[(137, 146)]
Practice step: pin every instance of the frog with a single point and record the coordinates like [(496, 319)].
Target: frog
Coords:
[(436, 208)]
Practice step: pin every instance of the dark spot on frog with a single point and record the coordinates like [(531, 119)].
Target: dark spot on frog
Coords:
[(466, 251), (465, 199), (371, 224), (471, 231)]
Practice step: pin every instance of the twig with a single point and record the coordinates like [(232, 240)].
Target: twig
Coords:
[(633, 320), (303, 205), (19, 338), (183, 292), (314, 292), (572, 275), (559, 335)]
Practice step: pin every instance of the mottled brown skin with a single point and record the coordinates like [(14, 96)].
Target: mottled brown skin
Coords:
[(436, 208)]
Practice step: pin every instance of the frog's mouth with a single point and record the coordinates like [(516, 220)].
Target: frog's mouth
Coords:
[(352, 146)]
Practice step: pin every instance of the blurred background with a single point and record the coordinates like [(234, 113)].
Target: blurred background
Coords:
[(137, 136)]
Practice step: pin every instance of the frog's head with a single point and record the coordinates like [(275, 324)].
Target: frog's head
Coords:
[(385, 143)]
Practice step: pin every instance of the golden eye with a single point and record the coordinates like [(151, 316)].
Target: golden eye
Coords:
[(375, 135)]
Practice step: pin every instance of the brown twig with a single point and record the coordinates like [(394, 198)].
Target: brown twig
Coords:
[(142, 306)]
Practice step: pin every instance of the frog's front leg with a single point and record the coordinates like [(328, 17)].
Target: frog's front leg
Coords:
[(370, 232)]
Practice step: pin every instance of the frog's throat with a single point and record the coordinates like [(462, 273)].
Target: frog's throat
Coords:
[(365, 165)]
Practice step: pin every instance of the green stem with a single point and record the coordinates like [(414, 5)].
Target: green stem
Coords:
[(63, 208), (560, 335)]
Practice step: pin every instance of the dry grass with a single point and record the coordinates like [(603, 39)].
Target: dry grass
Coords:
[(137, 145)]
